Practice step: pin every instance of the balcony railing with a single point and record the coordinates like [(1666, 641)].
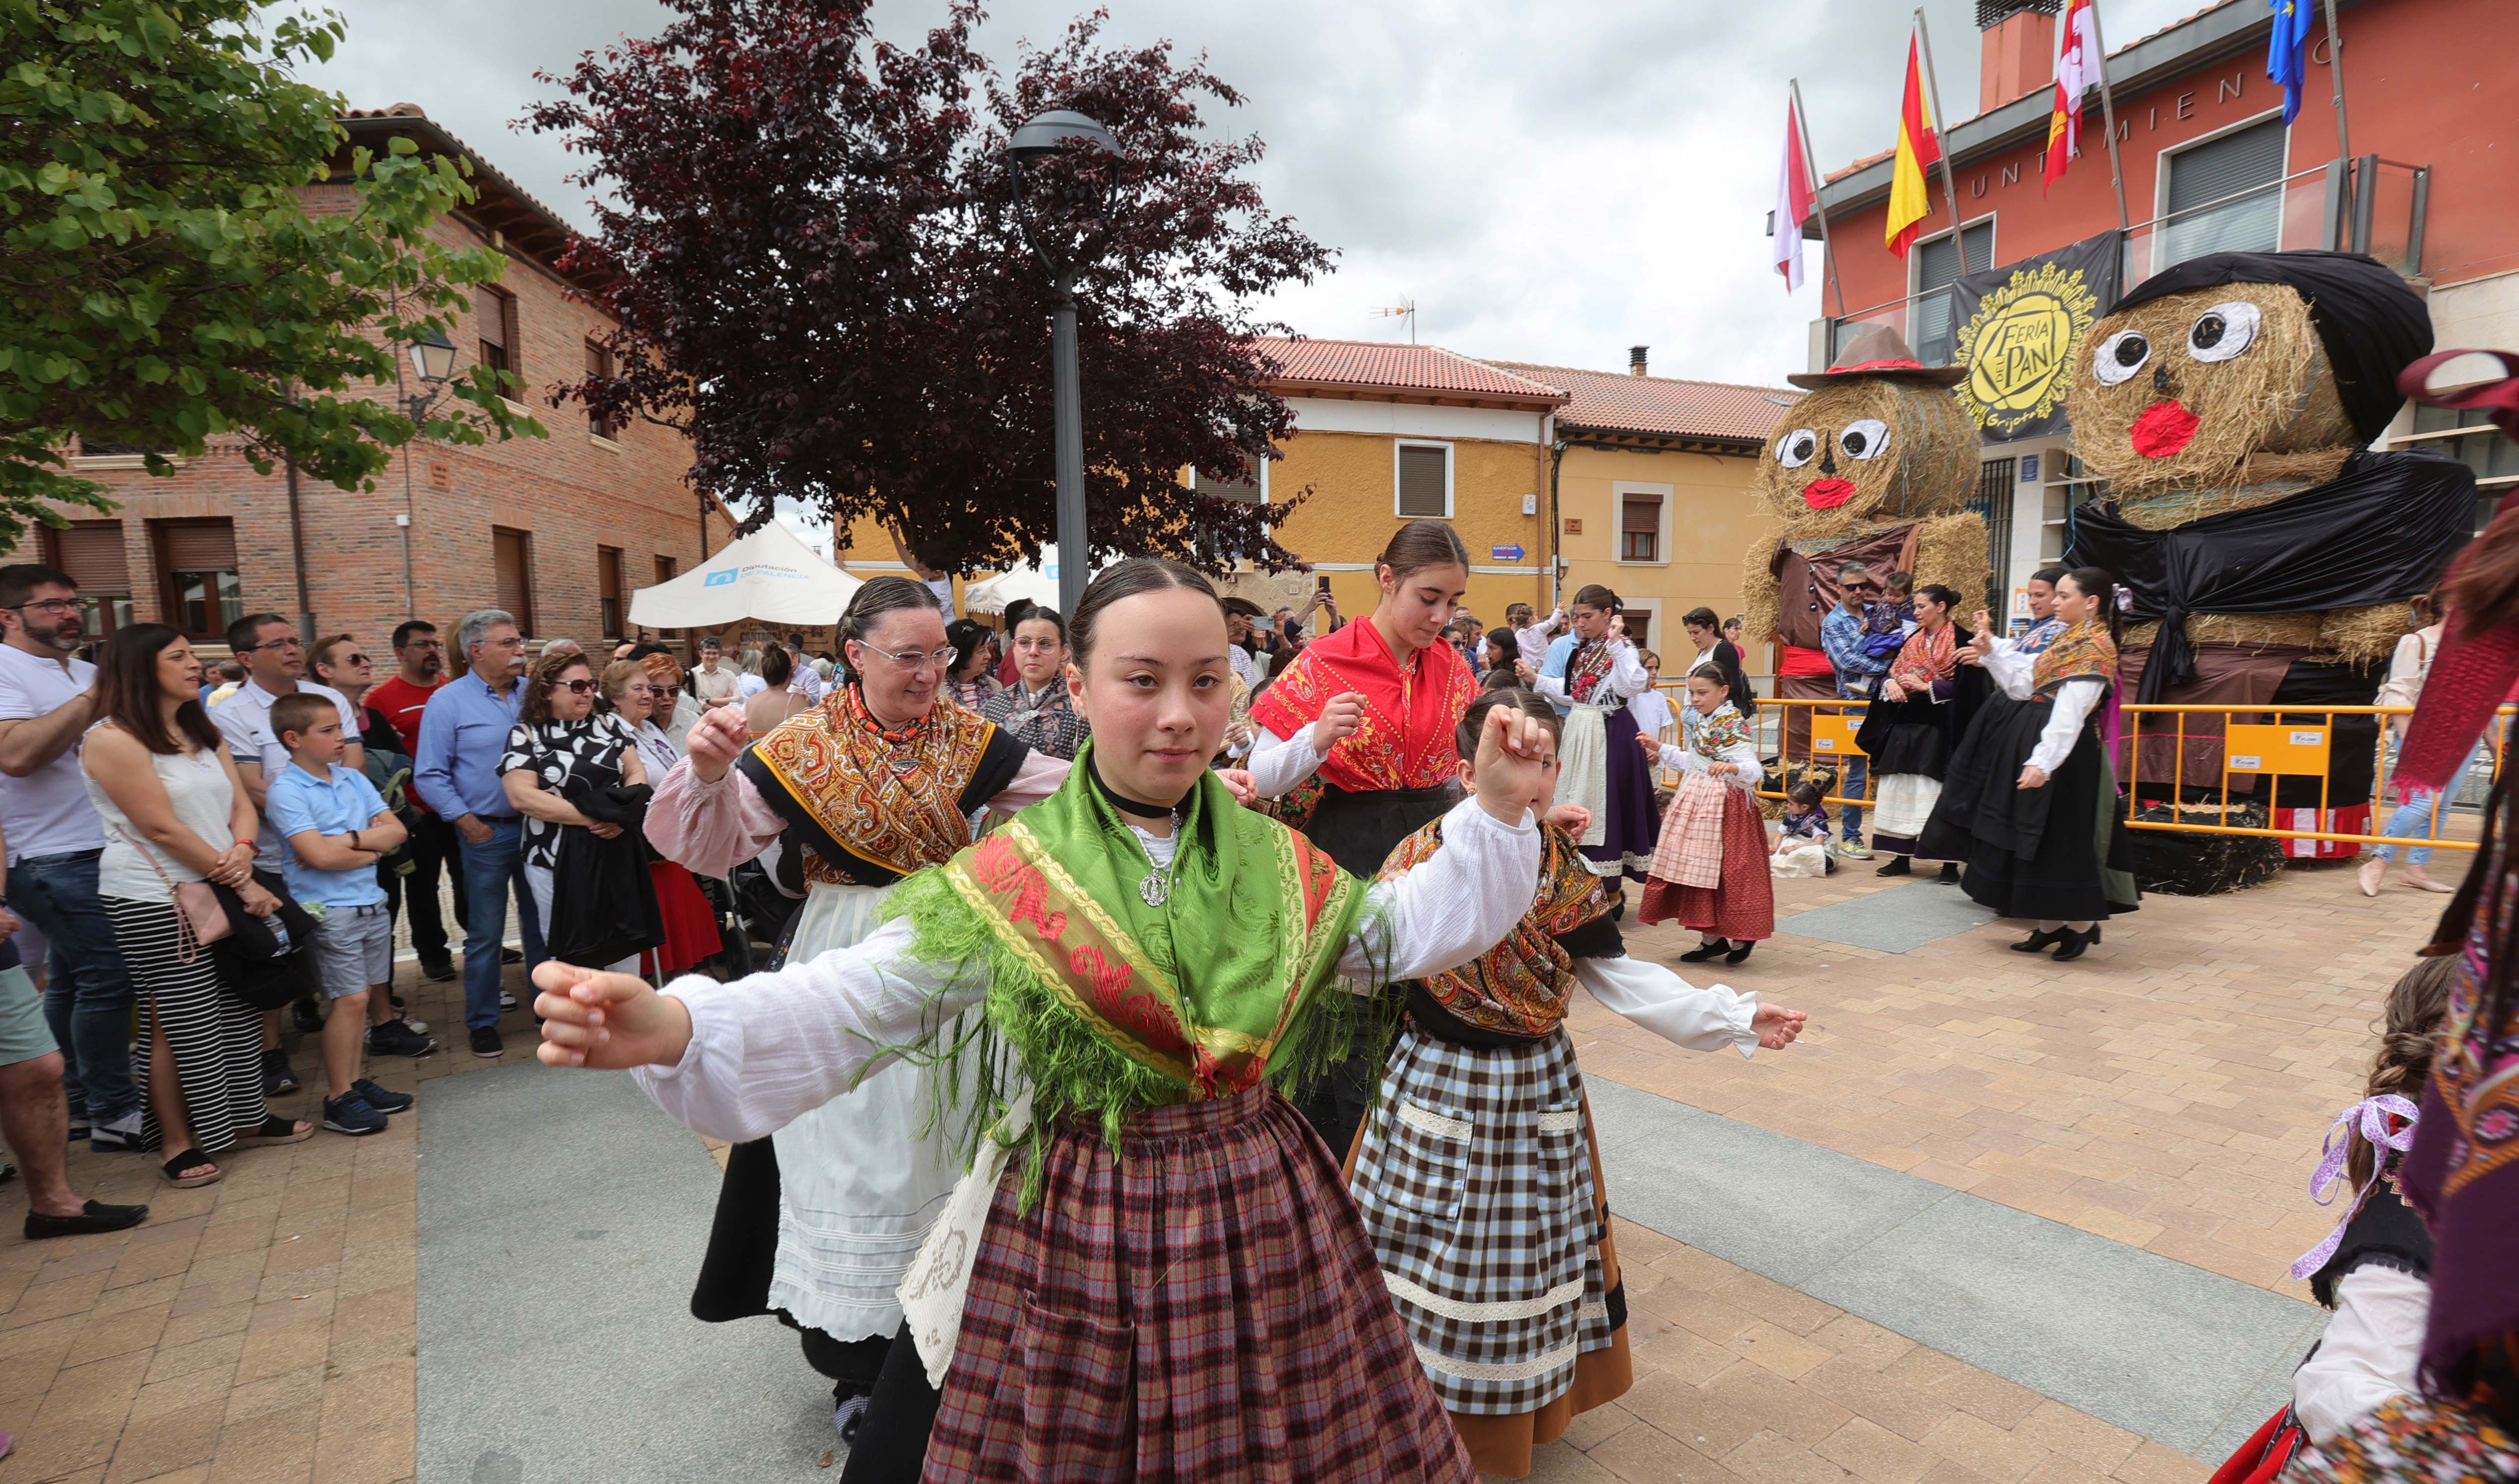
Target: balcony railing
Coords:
[(2367, 205)]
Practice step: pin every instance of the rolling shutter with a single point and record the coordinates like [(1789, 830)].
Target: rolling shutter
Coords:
[(490, 307), (512, 550), (200, 546), (91, 552), (1422, 481), (2245, 161)]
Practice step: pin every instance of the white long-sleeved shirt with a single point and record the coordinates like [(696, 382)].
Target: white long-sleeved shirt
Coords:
[(1742, 755), (2015, 673), (1277, 763), (2369, 1354), (1670, 1007), (1626, 678), (770, 1047)]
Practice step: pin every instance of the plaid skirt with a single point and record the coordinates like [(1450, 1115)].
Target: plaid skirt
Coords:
[(1742, 905), (1204, 1309), (1478, 1185)]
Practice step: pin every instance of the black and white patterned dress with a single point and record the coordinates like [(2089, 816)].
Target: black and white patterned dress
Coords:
[(555, 752)]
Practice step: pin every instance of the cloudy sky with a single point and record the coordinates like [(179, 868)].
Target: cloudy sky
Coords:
[(1549, 180)]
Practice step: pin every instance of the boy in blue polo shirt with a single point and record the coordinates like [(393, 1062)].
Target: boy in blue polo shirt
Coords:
[(335, 826)]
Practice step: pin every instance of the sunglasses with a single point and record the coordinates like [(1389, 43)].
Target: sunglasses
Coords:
[(354, 659), (579, 687), (1865, 588)]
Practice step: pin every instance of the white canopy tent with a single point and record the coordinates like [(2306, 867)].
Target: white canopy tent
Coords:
[(1037, 580), (768, 574)]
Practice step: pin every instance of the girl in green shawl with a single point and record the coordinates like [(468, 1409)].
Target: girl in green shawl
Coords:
[(1167, 1281)]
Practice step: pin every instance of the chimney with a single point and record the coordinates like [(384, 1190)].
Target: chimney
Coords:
[(2019, 50), (1636, 360)]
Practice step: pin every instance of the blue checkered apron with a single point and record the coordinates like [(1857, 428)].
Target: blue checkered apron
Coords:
[(1475, 1181)]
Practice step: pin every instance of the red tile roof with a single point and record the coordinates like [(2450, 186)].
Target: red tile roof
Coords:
[(1425, 369), (1661, 406)]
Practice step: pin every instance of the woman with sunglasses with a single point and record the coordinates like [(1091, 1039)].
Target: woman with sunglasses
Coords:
[(560, 739), (636, 695), (818, 1222)]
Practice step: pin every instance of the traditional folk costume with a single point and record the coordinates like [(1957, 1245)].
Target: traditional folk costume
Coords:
[(820, 1221), (2056, 854), (1390, 777), (1152, 1273), (1710, 870), (1909, 742), (1603, 771), (1045, 721), (1479, 1177)]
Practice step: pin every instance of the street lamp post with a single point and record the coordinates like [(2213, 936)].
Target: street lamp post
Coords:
[(1044, 134), (432, 358)]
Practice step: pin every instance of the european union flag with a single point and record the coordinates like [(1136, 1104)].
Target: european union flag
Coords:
[(2287, 53)]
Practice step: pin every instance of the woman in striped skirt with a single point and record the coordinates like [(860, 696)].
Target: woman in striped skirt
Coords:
[(173, 813)]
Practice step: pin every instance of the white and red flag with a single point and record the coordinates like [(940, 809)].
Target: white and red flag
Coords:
[(1797, 197)]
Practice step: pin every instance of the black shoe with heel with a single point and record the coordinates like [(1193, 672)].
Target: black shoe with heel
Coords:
[(1897, 866), (1950, 873), (2039, 942), (1705, 950), (2075, 943), (1740, 952)]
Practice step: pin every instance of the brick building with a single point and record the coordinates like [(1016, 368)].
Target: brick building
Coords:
[(559, 529)]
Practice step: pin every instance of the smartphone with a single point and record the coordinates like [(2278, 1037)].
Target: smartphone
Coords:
[(1323, 584)]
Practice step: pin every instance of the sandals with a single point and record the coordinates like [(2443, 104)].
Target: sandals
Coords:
[(276, 1129), (190, 1168)]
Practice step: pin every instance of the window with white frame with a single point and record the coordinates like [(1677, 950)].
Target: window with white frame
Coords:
[(1644, 523), (1422, 479)]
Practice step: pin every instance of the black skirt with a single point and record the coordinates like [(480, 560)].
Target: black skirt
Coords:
[(2056, 854)]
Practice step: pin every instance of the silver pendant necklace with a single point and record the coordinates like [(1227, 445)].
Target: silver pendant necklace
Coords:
[(1156, 887)]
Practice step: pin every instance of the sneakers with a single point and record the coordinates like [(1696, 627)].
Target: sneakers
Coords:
[(402, 1017), (350, 1114), (380, 1100), (1854, 849), (116, 1136), (486, 1043), (439, 972), (396, 1038), (847, 1415), (511, 955), (277, 1078), (308, 1020), (506, 1002)]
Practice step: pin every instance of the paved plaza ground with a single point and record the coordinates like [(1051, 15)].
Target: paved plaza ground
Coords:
[(1995, 1219)]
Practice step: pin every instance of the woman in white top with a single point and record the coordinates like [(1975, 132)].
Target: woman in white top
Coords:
[(174, 812), (1593, 673), (2417, 811)]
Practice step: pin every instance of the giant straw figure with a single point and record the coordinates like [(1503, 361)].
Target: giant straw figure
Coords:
[(2226, 404), (1876, 465)]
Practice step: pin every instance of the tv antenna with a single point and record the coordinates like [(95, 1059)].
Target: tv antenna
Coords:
[(1405, 308)]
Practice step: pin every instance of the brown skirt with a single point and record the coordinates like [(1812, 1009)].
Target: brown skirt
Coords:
[(1204, 1309), (1742, 906)]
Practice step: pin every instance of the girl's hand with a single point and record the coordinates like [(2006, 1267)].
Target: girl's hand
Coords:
[(1777, 1026), (1245, 790), (1517, 766), (1723, 770), (1339, 720), (594, 1019), (1653, 748), (2032, 776), (1572, 819), (1522, 672), (258, 902)]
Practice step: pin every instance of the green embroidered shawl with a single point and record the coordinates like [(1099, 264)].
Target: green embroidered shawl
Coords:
[(1109, 1004)]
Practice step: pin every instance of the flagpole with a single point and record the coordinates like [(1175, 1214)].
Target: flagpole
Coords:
[(1811, 163), (2109, 116), (1942, 137), (2335, 70)]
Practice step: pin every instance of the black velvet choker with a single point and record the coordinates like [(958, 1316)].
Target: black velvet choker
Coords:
[(1124, 804)]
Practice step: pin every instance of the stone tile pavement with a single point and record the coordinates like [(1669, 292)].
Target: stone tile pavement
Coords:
[(2168, 1092)]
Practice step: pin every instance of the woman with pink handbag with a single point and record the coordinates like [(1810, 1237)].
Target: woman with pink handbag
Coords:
[(177, 820)]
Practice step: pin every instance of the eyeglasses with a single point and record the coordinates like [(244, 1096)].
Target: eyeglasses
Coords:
[(56, 606), (578, 687), (917, 659), (426, 644), (356, 659), (291, 642)]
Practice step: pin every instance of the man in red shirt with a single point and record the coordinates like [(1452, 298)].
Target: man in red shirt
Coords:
[(421, 658)]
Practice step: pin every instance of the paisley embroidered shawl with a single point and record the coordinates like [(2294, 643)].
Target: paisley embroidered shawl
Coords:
[(1586, 667), (2039, 636), (1521, 986), (2084, 649), (1405, 740), (1201, 990), (1724, 728), (871, 805), (1926, 658)]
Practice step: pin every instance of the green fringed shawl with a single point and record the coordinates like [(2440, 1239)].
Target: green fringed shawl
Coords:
[(1106, 1005)]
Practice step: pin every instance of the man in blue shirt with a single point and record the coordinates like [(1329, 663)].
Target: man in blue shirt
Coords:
[(1840, 634), (463, 734)]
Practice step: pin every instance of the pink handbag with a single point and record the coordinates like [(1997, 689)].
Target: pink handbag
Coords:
[(199, 919)]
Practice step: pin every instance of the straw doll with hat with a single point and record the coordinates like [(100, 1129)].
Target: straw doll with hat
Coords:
[(1876, 467), (2229, 403)]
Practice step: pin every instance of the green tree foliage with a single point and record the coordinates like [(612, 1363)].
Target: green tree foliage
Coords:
[(162, 282)]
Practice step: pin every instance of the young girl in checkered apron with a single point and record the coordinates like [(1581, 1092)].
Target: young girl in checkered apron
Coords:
[(1710, 868), (1478, 1176)]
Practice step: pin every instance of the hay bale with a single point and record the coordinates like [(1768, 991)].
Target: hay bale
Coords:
[(1758, 599), (1952, 549), (2362, 636), (2238, 629), (2203, 866), (1928, 466), (2267, 398)]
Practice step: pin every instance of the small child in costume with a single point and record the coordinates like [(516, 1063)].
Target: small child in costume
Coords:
[(1801, 842), (1709, 867), (1886, 623)]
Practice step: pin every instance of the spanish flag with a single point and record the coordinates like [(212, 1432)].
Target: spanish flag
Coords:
[(1919, 149)]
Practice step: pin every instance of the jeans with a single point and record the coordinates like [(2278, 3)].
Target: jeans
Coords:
[(1850, 786), (87, 990), (2414, 811), (433, 844), (491, 869)]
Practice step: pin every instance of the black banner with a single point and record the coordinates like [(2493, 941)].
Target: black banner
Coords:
[(2021, 330)]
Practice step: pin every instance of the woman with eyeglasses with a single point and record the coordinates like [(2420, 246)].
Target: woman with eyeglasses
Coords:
[(557, 742), (818, 1222), (635, 695)]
